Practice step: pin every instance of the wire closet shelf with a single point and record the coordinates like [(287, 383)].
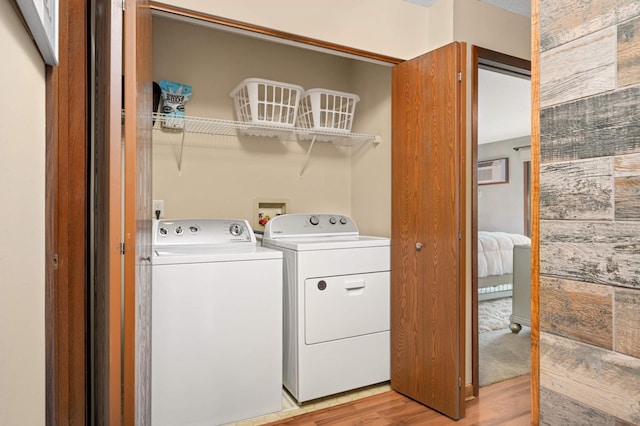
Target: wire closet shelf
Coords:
[(212, 126)]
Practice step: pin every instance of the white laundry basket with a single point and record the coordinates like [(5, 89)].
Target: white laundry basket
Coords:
[(273, 103), (327, 110)]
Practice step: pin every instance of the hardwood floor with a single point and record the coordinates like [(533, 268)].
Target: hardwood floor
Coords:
[(503, 403)]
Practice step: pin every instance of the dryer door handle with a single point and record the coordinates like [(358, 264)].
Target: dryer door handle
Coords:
[(354, 284)]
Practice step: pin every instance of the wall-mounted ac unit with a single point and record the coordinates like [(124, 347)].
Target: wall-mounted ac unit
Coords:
[(493, 171)]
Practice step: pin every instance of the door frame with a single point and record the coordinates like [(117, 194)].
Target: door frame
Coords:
[(136, 375), (66, 222), (502, 63)]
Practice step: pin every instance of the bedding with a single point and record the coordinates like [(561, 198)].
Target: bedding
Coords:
[(495, 252)]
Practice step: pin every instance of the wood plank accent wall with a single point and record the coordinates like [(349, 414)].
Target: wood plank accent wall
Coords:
[(568, 20), (592, 68), (589, 229), (629, 52), (577, 190), (597, 126)]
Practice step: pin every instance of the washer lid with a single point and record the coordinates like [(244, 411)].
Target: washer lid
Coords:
[(170, 255)]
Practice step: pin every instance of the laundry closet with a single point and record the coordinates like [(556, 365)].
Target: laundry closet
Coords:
[(209, 169), (214, 175)]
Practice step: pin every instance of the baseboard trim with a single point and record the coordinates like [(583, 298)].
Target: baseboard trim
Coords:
[(468, 392)]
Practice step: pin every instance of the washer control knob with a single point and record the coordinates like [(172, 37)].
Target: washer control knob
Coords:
[(314, 220), (194, 229), (332, 220), (178, 230), (163, 231), (343, 220), (236, 230)]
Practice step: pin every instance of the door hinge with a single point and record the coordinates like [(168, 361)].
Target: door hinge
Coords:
[(55, 261), (124, 3), (121, 248), (460, 76), (459, 382), (459, 235)]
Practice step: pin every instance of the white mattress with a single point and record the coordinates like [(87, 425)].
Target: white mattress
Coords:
[(495, 252)]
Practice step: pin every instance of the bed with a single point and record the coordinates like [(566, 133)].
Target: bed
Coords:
[(495, 263)]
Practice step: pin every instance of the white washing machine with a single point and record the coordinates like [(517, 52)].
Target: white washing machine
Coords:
[(216, 346), (336, 304)]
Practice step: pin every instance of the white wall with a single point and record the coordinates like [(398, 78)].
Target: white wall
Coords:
[(22, 180), (501, 206)]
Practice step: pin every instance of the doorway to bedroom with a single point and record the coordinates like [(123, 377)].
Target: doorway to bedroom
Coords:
[(501, 217)]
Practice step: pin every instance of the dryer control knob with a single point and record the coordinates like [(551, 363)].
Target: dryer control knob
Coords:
[(236, 230), (314, 220), (343, 220), (332, 220)]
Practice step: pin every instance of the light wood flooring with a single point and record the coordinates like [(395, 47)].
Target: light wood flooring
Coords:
[(503, 403)]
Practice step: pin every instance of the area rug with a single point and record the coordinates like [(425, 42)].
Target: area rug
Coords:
[(494, 314), (503, 354)]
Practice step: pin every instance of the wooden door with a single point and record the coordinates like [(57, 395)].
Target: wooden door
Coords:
[(138, 99), (428, 230), (67, 237)]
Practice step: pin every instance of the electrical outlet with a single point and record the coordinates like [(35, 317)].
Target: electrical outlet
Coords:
[(158, 206)]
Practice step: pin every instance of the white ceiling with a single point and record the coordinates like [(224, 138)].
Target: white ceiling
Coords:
[(521, 7), (504, 106)]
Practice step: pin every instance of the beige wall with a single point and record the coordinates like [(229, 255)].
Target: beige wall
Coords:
[(395, 28), (222, 176), (22, 166), (493, 28), (440, 25), (371, 163), (378, 26)]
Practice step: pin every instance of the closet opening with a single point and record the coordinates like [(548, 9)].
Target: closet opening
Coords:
[(501, 216)]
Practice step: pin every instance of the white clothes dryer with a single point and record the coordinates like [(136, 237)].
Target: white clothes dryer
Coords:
[(336, 304), (216, 345)]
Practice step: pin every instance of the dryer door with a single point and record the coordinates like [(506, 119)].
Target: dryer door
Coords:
[(346, 306)]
